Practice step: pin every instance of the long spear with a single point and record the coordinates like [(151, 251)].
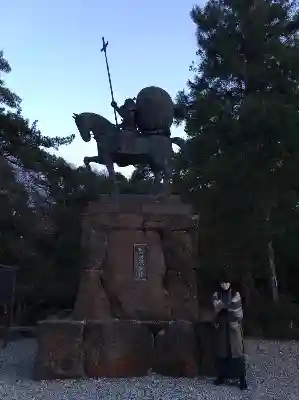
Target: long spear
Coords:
[(105, 44)]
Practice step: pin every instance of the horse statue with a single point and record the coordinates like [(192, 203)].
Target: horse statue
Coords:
[(130, 146)]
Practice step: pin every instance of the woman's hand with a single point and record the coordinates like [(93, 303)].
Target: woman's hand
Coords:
[(218, 305)]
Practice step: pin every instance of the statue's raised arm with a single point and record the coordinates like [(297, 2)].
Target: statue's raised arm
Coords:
[(127, 112)]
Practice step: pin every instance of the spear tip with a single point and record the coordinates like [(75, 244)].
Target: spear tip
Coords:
[(105, 44)]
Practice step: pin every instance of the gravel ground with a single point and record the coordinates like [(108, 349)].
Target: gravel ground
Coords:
[(273, 374)]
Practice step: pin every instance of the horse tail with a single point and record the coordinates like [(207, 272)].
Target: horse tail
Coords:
[(179, 142)]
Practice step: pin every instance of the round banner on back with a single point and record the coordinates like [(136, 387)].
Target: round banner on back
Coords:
[(155, 110)]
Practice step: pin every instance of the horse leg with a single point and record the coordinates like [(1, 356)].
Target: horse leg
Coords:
[(162, 171), (88, 160), (167, 168), (160, 152), (112, 175), (157, 181), (166, 179)]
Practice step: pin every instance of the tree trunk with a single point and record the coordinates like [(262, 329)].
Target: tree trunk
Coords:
[(273, 276), (248, 288)]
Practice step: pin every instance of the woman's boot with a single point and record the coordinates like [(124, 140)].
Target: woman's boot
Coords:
[(219, 381), (243, 383)]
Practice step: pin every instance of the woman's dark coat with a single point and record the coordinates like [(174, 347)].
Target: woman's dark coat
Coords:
[(229, 314)]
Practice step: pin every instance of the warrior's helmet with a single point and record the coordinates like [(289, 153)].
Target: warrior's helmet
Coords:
[(129, 103)]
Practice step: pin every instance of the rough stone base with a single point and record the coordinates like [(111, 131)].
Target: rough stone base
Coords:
[(60, 351), (118, 349), (206, 349), (92, 302), (74, 349), (117, 283), (176, 350)]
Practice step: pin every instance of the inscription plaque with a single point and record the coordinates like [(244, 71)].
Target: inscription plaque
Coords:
[(140, 261)]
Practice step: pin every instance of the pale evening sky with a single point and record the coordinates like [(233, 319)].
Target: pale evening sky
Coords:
[(57, 67)]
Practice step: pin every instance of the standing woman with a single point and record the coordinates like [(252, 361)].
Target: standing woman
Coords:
[(229, 337)]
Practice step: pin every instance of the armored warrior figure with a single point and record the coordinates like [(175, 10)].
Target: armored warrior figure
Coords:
[(128, 114)]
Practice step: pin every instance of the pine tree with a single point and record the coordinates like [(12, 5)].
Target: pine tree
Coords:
[(243, 124), (20, 140), (7, 97), (23, 145)]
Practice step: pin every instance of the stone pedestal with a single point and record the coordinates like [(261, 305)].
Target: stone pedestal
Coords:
[(72, 349), (92, 302), (137, 284), (117, 349), (60, 349), (142, 251), (205, 334), (176, 350)]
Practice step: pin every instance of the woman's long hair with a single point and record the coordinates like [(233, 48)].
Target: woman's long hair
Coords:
[(232, 289), (225, 275)]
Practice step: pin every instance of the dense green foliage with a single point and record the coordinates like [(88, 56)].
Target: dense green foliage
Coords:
[(243, 132)]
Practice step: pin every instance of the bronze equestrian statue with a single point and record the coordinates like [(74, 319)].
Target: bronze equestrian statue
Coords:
[(142, 138)]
